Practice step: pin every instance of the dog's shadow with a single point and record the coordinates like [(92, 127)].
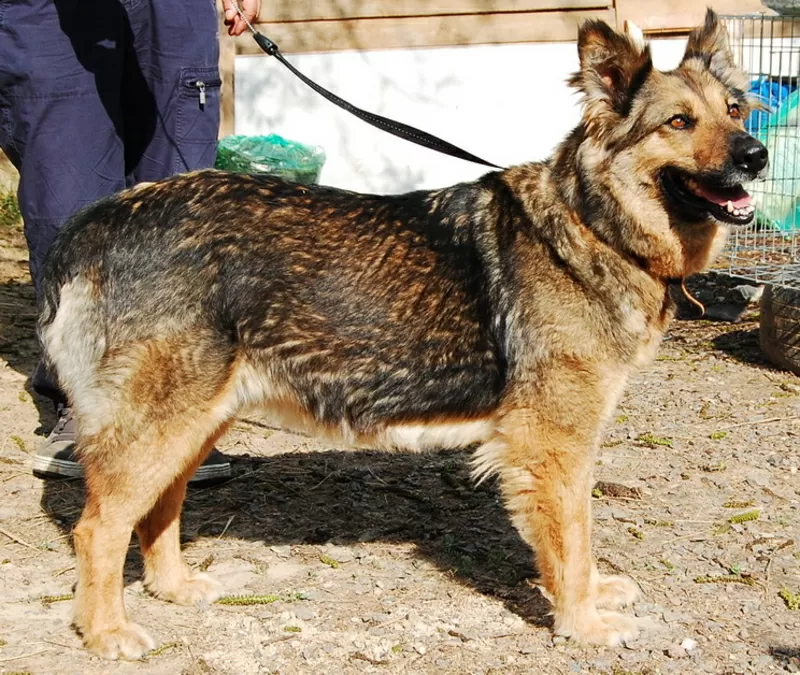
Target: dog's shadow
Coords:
[(348, 498)]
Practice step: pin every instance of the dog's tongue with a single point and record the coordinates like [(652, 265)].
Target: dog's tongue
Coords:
[(738, 196)]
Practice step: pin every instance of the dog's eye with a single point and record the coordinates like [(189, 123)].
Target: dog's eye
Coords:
[(680, 122), (734, 112)]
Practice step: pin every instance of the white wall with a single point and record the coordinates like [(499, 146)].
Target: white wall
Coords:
[(505, 103)]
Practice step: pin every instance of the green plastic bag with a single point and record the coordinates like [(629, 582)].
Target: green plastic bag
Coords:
[(270, 154)]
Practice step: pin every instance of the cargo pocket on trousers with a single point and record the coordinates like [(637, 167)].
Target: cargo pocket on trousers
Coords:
[(197, 123)]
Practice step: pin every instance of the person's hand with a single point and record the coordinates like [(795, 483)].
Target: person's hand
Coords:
[(234, 22)]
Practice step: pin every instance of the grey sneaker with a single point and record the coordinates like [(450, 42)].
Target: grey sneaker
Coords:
[(55, 458), (216, 469)]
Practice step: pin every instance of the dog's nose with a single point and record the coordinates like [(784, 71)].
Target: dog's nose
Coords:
[(748, 153)]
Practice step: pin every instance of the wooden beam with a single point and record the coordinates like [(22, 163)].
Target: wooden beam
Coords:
[(227, 63), (277, 11), (427, 31), (679, 16)]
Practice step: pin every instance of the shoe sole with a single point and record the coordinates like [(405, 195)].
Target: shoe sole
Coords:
[(49, 467)]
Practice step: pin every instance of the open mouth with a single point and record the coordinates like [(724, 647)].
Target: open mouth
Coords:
[(702, 197)]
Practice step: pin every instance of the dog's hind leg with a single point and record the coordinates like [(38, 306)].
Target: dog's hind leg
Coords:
[(166, 574), (167, 405), (544, 456)]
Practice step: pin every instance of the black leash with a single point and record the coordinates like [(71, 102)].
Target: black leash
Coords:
[(395, 128)]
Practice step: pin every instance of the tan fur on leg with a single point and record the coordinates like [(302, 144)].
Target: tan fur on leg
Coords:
[(136, 472), (166, 574), (545, 459), (99, 611)]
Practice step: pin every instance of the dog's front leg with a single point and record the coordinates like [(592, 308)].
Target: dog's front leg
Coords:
[(545, 457)]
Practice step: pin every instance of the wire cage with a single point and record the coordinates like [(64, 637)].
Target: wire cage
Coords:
[(767, 48)]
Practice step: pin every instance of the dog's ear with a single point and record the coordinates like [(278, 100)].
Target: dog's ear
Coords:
[(708, 47), (613, 68)]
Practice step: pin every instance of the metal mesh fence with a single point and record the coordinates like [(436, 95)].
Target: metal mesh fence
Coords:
[(767, 48)]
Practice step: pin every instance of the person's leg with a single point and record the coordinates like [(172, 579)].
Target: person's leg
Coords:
[(60, 124), (64, 66), (179, 58), (61, 134)]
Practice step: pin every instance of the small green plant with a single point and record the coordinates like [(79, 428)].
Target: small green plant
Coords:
[(718, 435), (653, 441), (636, 533), (721, 528), (725, 579), (666, 563), (733, 504), (160, 650), (23, 397), (714, 468), (293, 629), (50, 599), (666, 357), (621, 419), (9, 209), (744, 517), (16, 440), (248, 599), (619, 670), (792, 600), (330, 562), (597, 493), (658, 523)]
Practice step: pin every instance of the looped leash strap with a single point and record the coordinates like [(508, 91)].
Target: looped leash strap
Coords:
[(395, 128)]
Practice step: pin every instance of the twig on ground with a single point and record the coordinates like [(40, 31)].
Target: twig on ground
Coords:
[(13, 537), (24, 656)]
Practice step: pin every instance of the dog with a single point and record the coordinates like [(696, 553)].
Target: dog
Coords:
[(507, 312)]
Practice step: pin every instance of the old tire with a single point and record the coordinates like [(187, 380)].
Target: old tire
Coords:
[(780, 326)]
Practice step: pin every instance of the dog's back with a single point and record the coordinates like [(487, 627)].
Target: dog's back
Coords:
[(363, 310)]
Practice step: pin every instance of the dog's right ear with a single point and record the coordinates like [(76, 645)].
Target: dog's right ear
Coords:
[(613, 68)]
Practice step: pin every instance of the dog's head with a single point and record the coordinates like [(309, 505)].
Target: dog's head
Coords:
[(675, 139)]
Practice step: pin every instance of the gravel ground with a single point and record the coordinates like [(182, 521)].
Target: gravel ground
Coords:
[(375, 563)]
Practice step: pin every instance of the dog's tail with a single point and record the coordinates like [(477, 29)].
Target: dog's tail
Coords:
[(70, 323), (47, 300), (72, 334)]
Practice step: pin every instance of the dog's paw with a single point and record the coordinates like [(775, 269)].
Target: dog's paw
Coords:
[(129, 641), (598, 627), (197, 588), (615, 591)]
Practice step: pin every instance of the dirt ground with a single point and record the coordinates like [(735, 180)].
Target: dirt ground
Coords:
[(371, 563)]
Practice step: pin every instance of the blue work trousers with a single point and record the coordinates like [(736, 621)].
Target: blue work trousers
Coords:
[(97, 95)]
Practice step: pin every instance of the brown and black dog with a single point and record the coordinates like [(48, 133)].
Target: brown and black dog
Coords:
[(507, 312)]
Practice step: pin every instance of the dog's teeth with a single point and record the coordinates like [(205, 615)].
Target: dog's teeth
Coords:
[(729, 206), (736, 212)]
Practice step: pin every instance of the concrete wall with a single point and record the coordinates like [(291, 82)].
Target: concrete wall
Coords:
[(505, 103)]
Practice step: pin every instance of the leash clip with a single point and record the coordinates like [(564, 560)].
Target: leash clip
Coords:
[(265, 43)]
